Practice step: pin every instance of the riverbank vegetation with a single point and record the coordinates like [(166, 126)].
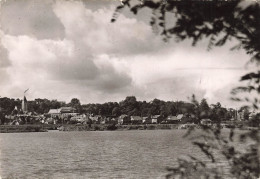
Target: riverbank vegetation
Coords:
[(22, 128), (129, 106)]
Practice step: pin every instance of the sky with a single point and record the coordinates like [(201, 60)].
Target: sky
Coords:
[(70, 49)]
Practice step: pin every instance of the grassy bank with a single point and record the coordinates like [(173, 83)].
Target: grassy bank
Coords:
[(110, 127), (21, 128), (92, 127)]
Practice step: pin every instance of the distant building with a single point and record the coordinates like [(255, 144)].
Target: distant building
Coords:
[(80, 118), (110, 119), (173, 120), (96, 119), (63, 112), (24, 105), (147, 120), (180, 116), (156, 119), (136, 120), (54, 113), (67, 110), (124, 119)]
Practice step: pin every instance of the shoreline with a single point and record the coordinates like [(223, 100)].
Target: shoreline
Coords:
[(82, 127), (21, 128), (107, 127), (94, 127)]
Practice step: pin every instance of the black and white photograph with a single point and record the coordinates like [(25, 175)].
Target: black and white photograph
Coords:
[(131, 89)]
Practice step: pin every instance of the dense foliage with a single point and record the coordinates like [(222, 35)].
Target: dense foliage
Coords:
[(39, 106), (129, 106)]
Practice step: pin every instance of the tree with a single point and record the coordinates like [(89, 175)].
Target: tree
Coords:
[(218, 113), (246, 115), (204, 109), (2, 117), (129, 106), (116, 111), (75, 103), (8, 104), (255, 120), (170, 108)]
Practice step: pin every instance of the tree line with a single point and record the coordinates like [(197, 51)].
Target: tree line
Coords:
[(129, 106)]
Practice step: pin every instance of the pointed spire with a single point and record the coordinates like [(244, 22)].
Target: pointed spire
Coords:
[(24, 104), (24, 99)]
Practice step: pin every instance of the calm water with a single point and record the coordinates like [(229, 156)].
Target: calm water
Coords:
[(99, 154)]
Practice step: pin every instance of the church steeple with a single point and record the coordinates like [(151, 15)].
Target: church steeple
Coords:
[(24, 104)]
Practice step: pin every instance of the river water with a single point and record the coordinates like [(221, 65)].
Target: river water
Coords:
[(92, 154)]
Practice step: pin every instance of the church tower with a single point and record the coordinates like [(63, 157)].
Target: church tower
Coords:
[(24, 104)]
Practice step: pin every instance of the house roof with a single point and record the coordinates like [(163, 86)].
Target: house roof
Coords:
[(180, 116), (172, 118), (54, 111), (136, 118), (123, 116), (95, 118), (156, 116), (79, 118), (67, 109), (204, 120)]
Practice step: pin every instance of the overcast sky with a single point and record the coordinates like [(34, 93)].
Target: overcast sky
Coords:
[(66, 49)]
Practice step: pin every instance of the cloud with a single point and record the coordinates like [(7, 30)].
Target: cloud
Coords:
[(4, 61), (32, 18), (84, 55), (183, 71), (73, 60), (94, 30)]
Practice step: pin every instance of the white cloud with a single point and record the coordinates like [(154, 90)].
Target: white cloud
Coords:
[(99, 61), (29, 17)]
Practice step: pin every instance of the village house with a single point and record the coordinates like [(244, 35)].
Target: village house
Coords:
[(185, 118), (157, 119), (136, 120), (124, 119), (19, 117), (50, 120), (103, 120), (79, 118), (173, 120), (54, 113), (147, 120), (96, 119), (63, 112), (113, 120), (68, 111), (180, 117), (109, 119)]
